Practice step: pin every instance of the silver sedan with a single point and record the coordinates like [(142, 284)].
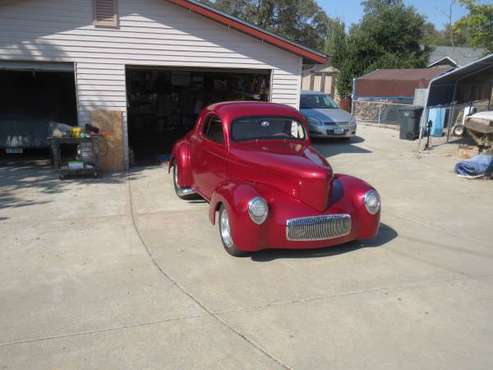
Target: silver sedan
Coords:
[(325, 118)]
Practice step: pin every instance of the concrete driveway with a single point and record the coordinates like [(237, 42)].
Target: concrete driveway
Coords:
[(118, 273)]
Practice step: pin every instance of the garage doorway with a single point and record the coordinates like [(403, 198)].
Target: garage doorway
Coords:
[(164, 103), (31, 96)]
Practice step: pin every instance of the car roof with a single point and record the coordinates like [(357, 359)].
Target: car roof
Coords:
[(237, 109)]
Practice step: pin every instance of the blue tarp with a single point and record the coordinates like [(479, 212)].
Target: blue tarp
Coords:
[(478, 166)]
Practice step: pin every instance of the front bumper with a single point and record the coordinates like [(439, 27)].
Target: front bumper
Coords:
[(334, 130)]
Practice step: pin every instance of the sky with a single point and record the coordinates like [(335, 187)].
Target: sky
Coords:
[(436, 11)]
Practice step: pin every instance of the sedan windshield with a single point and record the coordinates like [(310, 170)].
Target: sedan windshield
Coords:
[(267, 128), (314, 101)]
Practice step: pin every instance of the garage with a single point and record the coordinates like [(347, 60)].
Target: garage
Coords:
[(164, 103), (145, 68), (32, 96)]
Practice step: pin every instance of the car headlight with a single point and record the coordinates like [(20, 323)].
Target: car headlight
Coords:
[(353, 121), (315, 121), (372, 202), (258, 210)]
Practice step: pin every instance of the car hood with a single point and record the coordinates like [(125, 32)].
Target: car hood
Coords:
[(327, 115), (295, 168)]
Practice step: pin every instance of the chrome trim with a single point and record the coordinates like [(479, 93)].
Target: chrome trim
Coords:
[(367, 194), (324, 227), (184, 191)]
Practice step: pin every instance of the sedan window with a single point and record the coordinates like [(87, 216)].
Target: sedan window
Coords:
[(270, 128)]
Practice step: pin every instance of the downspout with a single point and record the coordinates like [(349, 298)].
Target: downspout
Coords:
[(77, 104)]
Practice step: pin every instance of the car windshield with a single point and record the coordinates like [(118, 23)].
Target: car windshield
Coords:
[(267, 128), (320, 101)]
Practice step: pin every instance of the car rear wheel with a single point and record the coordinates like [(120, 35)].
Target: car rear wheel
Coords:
[(226, 235), (182, 193)]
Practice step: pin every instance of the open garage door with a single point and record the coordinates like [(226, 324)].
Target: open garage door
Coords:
[(33, 94), (164, 103)]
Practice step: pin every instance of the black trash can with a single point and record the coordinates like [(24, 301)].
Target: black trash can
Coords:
[(409, 119)]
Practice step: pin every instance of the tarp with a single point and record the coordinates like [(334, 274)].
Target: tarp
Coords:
[(478, 166)]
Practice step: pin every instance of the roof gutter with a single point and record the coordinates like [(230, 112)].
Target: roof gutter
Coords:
[(441, 60)]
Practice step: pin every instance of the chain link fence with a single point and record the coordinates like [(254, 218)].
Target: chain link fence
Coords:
[(380, 112)]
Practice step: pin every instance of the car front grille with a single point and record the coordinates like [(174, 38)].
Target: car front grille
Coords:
[(323, 227)]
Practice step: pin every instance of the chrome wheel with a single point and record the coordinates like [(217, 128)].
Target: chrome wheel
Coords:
[(225, 229), (226, 234), (175, 177), (183, 193), (458, 130)]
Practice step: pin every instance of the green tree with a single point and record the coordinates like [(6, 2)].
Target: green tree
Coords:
[(336, 37), (444, 37), (338, 50), (374, 7), (302, 21), (477, 25), (390, 35)]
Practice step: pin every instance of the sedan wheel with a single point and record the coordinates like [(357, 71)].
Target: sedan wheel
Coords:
[(226, 235)]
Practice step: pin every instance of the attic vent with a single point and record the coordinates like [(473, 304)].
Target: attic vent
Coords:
[(105, 13)]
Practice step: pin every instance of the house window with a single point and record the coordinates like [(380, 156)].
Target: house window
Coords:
[(105, 13)]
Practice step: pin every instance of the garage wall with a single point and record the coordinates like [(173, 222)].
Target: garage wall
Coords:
[(152, 32)]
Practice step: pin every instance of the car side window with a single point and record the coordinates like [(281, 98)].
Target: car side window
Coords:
[(213, 129)]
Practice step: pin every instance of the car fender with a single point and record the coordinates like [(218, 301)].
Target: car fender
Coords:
[(247, 235), (353, 190), (181, 157)]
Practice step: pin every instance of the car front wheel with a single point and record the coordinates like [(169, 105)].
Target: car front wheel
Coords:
[(226, 235)]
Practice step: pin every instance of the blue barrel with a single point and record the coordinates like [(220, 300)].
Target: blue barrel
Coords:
[(437, 117)]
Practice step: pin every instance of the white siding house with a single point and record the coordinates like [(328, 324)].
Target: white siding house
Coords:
[(149, 33)]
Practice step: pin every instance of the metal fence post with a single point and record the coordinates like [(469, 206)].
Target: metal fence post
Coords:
[(451, 120)]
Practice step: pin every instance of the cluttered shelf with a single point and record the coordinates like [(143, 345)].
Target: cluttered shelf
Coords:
[(90, 146)]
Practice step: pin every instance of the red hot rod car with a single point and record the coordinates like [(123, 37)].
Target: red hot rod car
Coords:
[(266, 185)]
